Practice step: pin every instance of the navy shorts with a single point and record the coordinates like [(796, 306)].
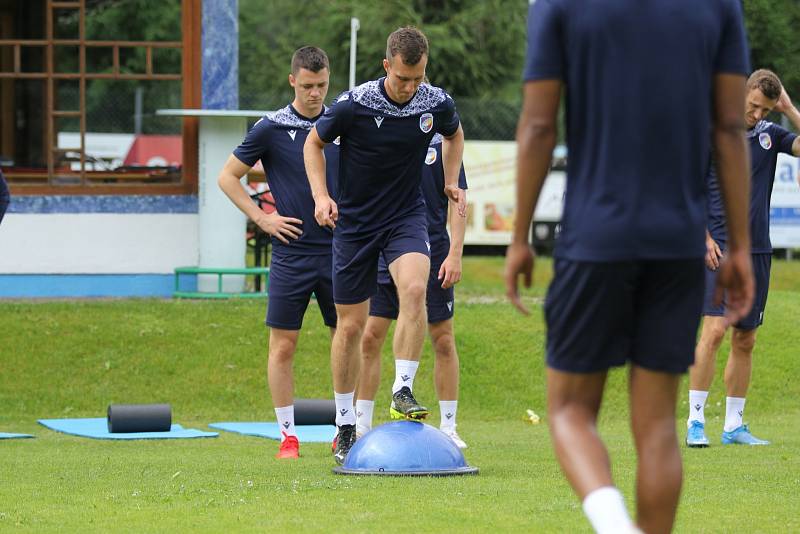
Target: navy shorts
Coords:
[(604, 314), (440, 302), (762, 264), (355, 263), (292, 280)]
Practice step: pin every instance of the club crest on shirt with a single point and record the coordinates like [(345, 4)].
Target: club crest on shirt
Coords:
[(430, 159), (426, 122), (337, 140), (765, 140), (292, 134)]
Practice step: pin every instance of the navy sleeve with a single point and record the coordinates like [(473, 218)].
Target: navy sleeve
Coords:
[(732, 52), (545, 56), (462, 178), (448, 118), (255, 144), (336, 120), (4, 195), (784, 139)]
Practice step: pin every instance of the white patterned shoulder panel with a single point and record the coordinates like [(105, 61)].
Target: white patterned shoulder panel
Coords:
[(758, 128), (286, 117), (369, 95)]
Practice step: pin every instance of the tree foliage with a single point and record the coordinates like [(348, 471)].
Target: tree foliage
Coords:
[(773, 41), (476, 46), (477, 49)]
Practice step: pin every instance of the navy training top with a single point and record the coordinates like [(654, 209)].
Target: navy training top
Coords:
[(436, 202), (383, 150), (5, 197), (766, 141), (277, 140), (638, 80)]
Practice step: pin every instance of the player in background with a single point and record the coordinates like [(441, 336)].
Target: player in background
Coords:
[(385, 127), (445, 272), (301, 249), (766, 140)]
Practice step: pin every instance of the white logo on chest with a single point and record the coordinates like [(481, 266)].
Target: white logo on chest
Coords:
[(292, 133), (378, 121), (765, 141), (430, 159), (426, 122)]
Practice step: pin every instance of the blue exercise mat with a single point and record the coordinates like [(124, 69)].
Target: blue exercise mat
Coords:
[(6, 435), (97, 428), (305, 433)]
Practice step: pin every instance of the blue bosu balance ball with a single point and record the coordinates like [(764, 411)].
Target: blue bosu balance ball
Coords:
[(405, 448)]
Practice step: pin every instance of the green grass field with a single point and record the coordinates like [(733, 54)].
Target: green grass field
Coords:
[(73, 358)]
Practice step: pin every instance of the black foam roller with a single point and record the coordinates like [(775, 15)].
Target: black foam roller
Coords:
[(126, 418), (314, 412)]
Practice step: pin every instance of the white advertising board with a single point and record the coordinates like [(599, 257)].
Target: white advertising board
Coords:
[(784, 221), (490, 168)]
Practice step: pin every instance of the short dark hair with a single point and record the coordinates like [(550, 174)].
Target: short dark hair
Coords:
[(310, 58), (767, 81), (410, 43)]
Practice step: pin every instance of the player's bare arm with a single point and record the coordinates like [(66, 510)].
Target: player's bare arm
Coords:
[(276, 225), (733, 164), (787, 107), (450, 271), (325, 210), (452, 154), (536, 139)]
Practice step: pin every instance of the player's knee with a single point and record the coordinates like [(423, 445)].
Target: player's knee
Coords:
[(744, 340), (370, 344), (714, 332), (445, 347), (413, 294), (350, 328), (655, 432), (281, 350), (564, 416)]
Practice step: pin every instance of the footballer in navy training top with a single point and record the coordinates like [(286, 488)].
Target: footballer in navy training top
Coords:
[(644, 83)]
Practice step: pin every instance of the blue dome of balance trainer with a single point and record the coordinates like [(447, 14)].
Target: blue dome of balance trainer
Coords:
[(405, 448)]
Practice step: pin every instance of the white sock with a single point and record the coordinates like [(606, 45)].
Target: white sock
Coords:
[(606, 511), (344, 408), (697, 406), (404, 371), (285, 417), (364, 410), (734, 411), (448, 410)]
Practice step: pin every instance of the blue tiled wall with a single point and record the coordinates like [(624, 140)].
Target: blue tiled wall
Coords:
[(104, 204), (220, 46)]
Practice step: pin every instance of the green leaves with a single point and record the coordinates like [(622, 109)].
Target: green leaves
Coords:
[(771, 31), (476, 47)]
